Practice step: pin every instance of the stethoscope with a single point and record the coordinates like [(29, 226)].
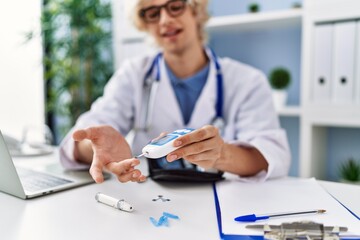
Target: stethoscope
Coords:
[(151, 83)]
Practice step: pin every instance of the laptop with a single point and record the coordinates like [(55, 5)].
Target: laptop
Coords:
[(28, 183)]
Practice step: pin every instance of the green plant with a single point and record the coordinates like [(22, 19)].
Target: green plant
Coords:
[(77, 59), (350, 170), (280, 78), (253, 7)]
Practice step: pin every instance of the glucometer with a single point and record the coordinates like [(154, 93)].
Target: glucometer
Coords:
[(164, 145), (179, 170)]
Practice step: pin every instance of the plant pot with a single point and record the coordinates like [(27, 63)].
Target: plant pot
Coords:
[(279, 98)]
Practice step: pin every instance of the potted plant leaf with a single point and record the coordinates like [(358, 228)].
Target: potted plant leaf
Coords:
[(280, 80), (78, 61), (350, 171), (253, 8)]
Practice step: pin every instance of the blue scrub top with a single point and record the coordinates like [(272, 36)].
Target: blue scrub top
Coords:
[(188, 90)]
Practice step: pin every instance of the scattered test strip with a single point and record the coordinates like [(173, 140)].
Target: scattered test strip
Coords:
[(163, 220)]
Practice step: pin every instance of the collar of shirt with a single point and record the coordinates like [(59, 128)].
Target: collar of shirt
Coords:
[(195, 82)]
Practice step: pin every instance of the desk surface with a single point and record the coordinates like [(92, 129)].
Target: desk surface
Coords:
[(75, 214)]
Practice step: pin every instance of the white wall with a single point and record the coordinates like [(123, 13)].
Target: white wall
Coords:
[(21, 80), (128, 41)]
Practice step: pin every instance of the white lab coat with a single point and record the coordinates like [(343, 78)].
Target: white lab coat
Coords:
[(247, 108)]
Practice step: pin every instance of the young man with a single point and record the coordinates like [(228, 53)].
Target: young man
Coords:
[(192, 89)]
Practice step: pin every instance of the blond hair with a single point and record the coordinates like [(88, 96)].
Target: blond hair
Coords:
[(199, 8)]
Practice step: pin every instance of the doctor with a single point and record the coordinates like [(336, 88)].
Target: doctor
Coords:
[(185, 85)]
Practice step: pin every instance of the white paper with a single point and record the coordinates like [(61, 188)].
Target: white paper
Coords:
[(278, 196)]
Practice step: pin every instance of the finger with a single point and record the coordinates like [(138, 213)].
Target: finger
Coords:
[(193, 149), (130, 176), (129, 170), (205, 160), (160, 136), (96, 170), (79, 135), (125, 177), (91, 133), (122, 167), (204, 156), (198, 135), (142, 178)]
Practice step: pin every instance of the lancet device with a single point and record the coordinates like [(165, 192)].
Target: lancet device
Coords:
[(113, 202)]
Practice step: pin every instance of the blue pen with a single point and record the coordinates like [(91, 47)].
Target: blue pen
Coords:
[(254, 217)]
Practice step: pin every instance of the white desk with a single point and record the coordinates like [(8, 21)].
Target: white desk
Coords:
[(74, 214), (347, 194)]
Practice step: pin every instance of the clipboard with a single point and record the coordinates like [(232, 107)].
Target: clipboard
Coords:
[(225, 236), (218, 216)]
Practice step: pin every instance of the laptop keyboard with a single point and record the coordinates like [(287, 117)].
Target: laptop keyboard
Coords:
[(34, 181)]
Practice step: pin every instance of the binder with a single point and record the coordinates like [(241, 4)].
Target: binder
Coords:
[(323, 48), (357, 62), (344, 62)]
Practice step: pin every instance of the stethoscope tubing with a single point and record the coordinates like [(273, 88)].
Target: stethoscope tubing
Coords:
[(152, 79)]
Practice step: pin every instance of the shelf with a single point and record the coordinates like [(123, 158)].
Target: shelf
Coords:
[(244, 22), (289, 112), (256, 21), (335, 116)]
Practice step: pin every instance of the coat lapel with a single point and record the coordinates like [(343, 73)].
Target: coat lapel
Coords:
[(204, 110), (166, 102)]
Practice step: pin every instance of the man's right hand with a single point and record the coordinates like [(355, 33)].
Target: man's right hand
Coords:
[(106, 148)]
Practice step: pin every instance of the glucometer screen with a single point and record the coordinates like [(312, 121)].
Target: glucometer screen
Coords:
[(179, 164), (164, 164), (163, 140)]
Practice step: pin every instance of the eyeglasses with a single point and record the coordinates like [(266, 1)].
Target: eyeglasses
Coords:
[(152, 14)]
